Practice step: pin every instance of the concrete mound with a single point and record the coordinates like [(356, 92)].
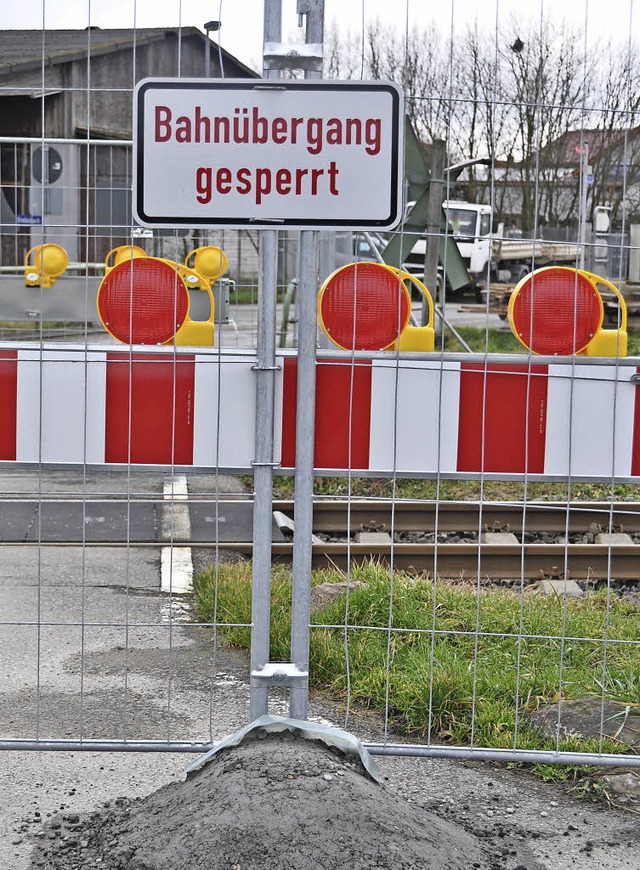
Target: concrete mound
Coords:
[(277, 801)]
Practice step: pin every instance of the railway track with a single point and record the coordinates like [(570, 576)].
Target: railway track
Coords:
[(466, 516), (588, 542), (529, 562), (583, 541)]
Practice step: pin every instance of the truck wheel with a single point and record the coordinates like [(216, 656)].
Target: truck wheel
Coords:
[(519, 271)]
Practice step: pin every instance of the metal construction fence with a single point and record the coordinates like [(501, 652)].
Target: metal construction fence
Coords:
[(416, 504)]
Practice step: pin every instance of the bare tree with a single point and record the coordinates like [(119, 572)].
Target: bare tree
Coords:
[(613, 137), (543, 81), (528, 100)]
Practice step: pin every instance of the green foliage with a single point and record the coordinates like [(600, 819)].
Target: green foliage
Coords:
[(443, 662), (247, 294), (455, 490)]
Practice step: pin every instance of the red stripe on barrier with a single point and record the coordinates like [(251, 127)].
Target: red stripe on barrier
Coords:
[(160, 392), (343, 414), (503, 411), (8, 403)]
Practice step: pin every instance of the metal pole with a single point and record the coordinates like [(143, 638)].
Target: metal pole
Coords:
[(434, 223), (584, 175), (263, 463), (306, 306), (208, 27)]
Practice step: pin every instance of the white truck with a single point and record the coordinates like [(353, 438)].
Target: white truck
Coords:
[(490, 256)]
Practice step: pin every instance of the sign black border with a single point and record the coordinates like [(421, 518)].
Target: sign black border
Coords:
[(264, 84)]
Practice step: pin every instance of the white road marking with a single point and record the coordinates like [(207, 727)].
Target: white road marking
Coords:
[(176, 564)]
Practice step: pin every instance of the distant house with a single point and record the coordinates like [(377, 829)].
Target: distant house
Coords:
[(76, 86), (548, 188), (613, 156)]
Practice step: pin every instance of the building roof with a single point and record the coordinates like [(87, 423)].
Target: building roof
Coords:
[(22, 50), (570, 146)]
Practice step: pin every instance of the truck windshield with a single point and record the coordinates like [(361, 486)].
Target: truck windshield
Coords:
[(462, 222)]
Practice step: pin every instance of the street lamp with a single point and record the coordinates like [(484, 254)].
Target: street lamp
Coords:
[(208, 28)]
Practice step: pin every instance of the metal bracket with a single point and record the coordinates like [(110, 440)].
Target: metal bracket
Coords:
[(279, 674), (635, 379), (266, 368), (279, 55)]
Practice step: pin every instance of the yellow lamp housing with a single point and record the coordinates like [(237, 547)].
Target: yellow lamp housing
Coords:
[(193, 279), (416, 339), (608, 342), (121, 254), (209, 262), (43, 264), (558, 311), (196, 333)]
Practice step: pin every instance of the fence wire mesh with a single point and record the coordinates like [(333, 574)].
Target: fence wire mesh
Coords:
[(475, 516)]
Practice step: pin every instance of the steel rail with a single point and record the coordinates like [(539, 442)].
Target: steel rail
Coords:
[(503, 562), (414, 516)]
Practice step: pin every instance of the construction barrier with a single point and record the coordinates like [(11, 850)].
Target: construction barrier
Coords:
[(374, 415)]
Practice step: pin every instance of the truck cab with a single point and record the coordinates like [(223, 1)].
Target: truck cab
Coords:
[(470, 224)]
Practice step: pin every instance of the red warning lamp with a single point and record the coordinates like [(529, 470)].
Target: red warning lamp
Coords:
[(558, 311), (367, 306), (364, 306), (145, 301)]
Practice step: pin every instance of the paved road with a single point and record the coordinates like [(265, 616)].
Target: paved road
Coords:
[(54, 506), (97, 521)]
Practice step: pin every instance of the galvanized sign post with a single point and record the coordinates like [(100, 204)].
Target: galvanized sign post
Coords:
[(269, 153)]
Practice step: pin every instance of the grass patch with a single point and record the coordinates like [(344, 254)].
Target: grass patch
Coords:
[(247, 294), (479, 340), (453, 668), (453, 490)]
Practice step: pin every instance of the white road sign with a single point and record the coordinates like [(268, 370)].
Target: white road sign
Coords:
[(236, 152)]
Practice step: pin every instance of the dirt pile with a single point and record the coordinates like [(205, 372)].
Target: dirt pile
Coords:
[(275, 801)]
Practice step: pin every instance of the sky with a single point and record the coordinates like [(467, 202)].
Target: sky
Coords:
[(242, 20)]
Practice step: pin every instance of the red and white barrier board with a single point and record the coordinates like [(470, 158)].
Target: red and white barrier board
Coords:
[(377, 415), (444, 417)]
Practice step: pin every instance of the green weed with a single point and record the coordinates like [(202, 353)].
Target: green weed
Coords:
[(441, 662)]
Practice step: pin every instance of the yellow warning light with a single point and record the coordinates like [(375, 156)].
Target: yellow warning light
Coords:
[(144, 300), (367, 306), (209, 262), (43, 264), (558, 311)]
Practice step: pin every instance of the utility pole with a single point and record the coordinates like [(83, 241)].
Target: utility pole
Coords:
[(208, 28), (585, 177), (434, 224)]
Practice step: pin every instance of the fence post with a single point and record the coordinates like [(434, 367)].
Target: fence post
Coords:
[(263, 464), (305, 424)]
